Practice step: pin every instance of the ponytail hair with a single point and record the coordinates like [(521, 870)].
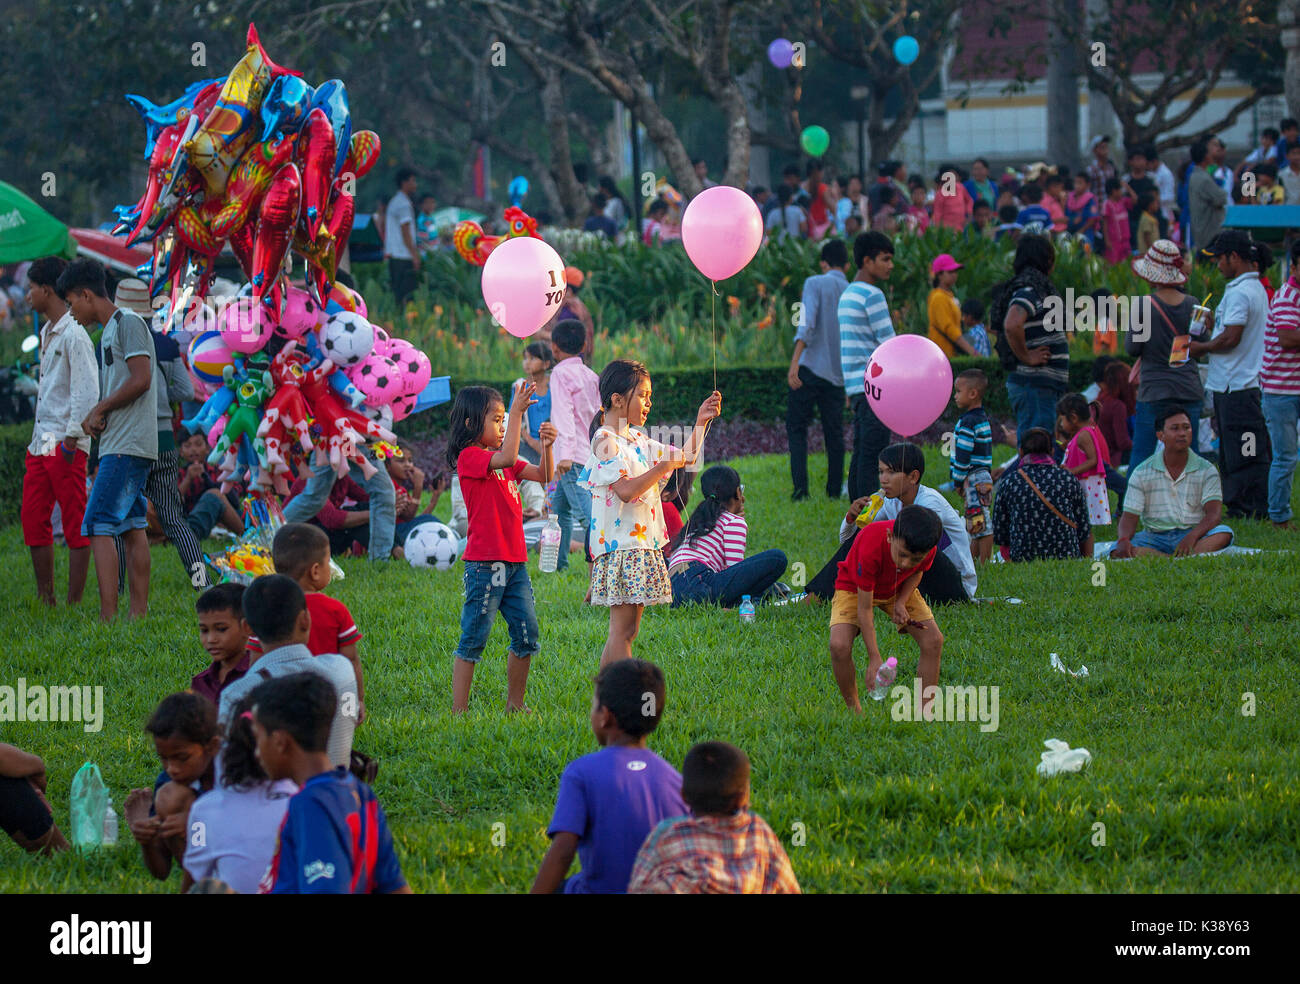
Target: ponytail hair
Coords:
[(621, 377), (719, 484)]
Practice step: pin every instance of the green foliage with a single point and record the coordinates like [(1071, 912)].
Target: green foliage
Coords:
[(1194, 795), (14, 439)]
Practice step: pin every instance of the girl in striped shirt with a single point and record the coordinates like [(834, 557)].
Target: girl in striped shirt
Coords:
[(708, 564)]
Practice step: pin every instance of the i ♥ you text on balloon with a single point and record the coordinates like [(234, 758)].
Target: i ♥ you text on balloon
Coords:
[(721, 230), (523, 284), (908, 383)]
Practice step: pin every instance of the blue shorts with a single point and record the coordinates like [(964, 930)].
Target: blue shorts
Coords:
[(116, 504), (1167, 542), (491, 586)]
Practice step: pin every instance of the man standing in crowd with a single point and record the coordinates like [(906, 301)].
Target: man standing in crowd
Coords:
[(863, 314), (1279, 378), (1101, 169), (1207, 202), (1236, 351), (56, 458), (816, 376), (399, 238), (125, 421)]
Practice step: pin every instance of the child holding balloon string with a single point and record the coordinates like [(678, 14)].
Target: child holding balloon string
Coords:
[(626, 472)]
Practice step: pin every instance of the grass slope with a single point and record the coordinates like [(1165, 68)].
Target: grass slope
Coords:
[(1194, 796)]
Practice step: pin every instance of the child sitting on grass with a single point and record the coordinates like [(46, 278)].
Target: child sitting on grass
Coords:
[(25, 813), (708, 564), (241, 816), (224, 635), (334, 839), (185, 735), (611, 799), (723, 847), (409, 488), (302, 551), (883, 571)]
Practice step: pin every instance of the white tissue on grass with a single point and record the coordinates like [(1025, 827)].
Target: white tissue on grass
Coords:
[(1060, 757), (1060, 667)]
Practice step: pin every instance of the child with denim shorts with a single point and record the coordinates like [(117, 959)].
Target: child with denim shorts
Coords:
[(484, 450)]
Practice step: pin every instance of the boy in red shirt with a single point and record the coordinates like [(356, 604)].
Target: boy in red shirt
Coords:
[(302, 551), (883, 570)]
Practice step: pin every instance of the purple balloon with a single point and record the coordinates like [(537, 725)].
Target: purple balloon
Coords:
[(780, 52)]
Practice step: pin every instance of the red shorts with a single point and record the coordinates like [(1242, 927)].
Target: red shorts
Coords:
[(53, 478)]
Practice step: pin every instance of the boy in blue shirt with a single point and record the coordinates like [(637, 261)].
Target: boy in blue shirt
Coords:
[(611, 799), (1032, 195), (334, 839), (972, 460)]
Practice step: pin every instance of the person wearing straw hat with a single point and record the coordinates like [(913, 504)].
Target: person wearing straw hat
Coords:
[(124, 421), (1166, 373), (172, 384)]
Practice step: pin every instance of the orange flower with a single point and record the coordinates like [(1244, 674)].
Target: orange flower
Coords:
[(766, 322), (733, 301), (473, 343), (411, 315), (437, 309), (784, 281), (762, 290)]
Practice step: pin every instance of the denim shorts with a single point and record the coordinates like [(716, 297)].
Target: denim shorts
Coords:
[(492, 585), (116, 504), (1167, 541)]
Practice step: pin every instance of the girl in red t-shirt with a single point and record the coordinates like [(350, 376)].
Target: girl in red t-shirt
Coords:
[(484, 450)]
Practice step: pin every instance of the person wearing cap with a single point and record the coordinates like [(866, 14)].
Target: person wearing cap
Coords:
[(55, 466), (1167, 374), (1100, 170), (944, 308), (126, 424), (172, 384), (1236, 355), (1206, 201)]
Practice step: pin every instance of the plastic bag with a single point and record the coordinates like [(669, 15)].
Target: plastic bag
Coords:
[(88, 803), (1060, 757)]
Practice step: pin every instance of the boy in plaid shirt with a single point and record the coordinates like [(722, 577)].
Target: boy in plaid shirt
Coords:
[(723, 848), (972, 460)]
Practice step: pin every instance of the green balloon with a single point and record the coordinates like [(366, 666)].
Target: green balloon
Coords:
[(815, 140)]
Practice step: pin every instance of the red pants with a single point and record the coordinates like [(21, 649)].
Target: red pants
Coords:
[(53, 478)]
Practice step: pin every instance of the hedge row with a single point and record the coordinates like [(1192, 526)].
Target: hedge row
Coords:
[(757, 392), (14, 439)]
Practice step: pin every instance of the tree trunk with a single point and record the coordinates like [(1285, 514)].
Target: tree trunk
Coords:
[(572, 195), (1288, 17), (1062, 91)]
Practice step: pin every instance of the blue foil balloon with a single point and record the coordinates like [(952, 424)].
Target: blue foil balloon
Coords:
[(332, 97), (517, 189), (906, 49), (284, 110)]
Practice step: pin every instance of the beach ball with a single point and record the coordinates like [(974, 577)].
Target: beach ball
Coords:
[(209, 356)]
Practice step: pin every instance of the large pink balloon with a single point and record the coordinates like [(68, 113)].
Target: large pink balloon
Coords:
[(523, 284), (301, 314), (245, 326), (908, 383), (721, 230)]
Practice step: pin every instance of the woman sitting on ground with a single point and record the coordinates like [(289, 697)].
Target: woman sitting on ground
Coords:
[(1039, 510), (708, 563)]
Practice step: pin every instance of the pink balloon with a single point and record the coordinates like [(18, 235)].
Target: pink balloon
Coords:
[(246, 326), (523, 284), (379, 378), (908, 383), (383, 341), (721, 230), (416, 368), (301, 314), (402, 407)]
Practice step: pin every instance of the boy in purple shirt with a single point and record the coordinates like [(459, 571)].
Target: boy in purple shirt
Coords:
[(611, 799), (575, 400), (334, 839)]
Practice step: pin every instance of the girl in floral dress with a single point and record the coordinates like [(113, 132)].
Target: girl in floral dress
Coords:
[(625, 473)]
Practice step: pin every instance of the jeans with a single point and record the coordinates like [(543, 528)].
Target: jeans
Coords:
[(827, 400), (870, 437), (1034, 406), (1144, 428), (752, 576), (1244, 452), (383, 503), (116, 504), (1166, 541), (572, 501), (1281, 413), (492, 586)]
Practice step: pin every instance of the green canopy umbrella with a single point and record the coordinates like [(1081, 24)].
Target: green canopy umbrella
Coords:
[(27, 231), (450, 216)]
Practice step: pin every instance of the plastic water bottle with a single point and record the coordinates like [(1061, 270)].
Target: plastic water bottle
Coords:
[(110, 826), (884, 678), (746, 610), (550, 546)]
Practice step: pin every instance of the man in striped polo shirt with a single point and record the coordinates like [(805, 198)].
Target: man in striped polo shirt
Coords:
[(1279, 378), (864, 325)]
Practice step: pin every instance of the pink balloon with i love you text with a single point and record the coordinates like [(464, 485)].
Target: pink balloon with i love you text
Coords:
[(908, 383), (721, 230), (523, 284)]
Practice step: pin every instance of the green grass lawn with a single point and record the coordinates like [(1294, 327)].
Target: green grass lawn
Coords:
[(1194, 796)]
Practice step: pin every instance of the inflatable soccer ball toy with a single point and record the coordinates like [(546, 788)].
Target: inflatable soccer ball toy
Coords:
[(346, 339), (432, 545), (379, 378)]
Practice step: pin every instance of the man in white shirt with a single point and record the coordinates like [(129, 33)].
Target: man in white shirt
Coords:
[(1236, 355), (56, 458), (399, 238), (1165, 184)]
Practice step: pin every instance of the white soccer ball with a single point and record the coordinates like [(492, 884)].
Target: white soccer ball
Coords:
[(347, 338), (432, 545)]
